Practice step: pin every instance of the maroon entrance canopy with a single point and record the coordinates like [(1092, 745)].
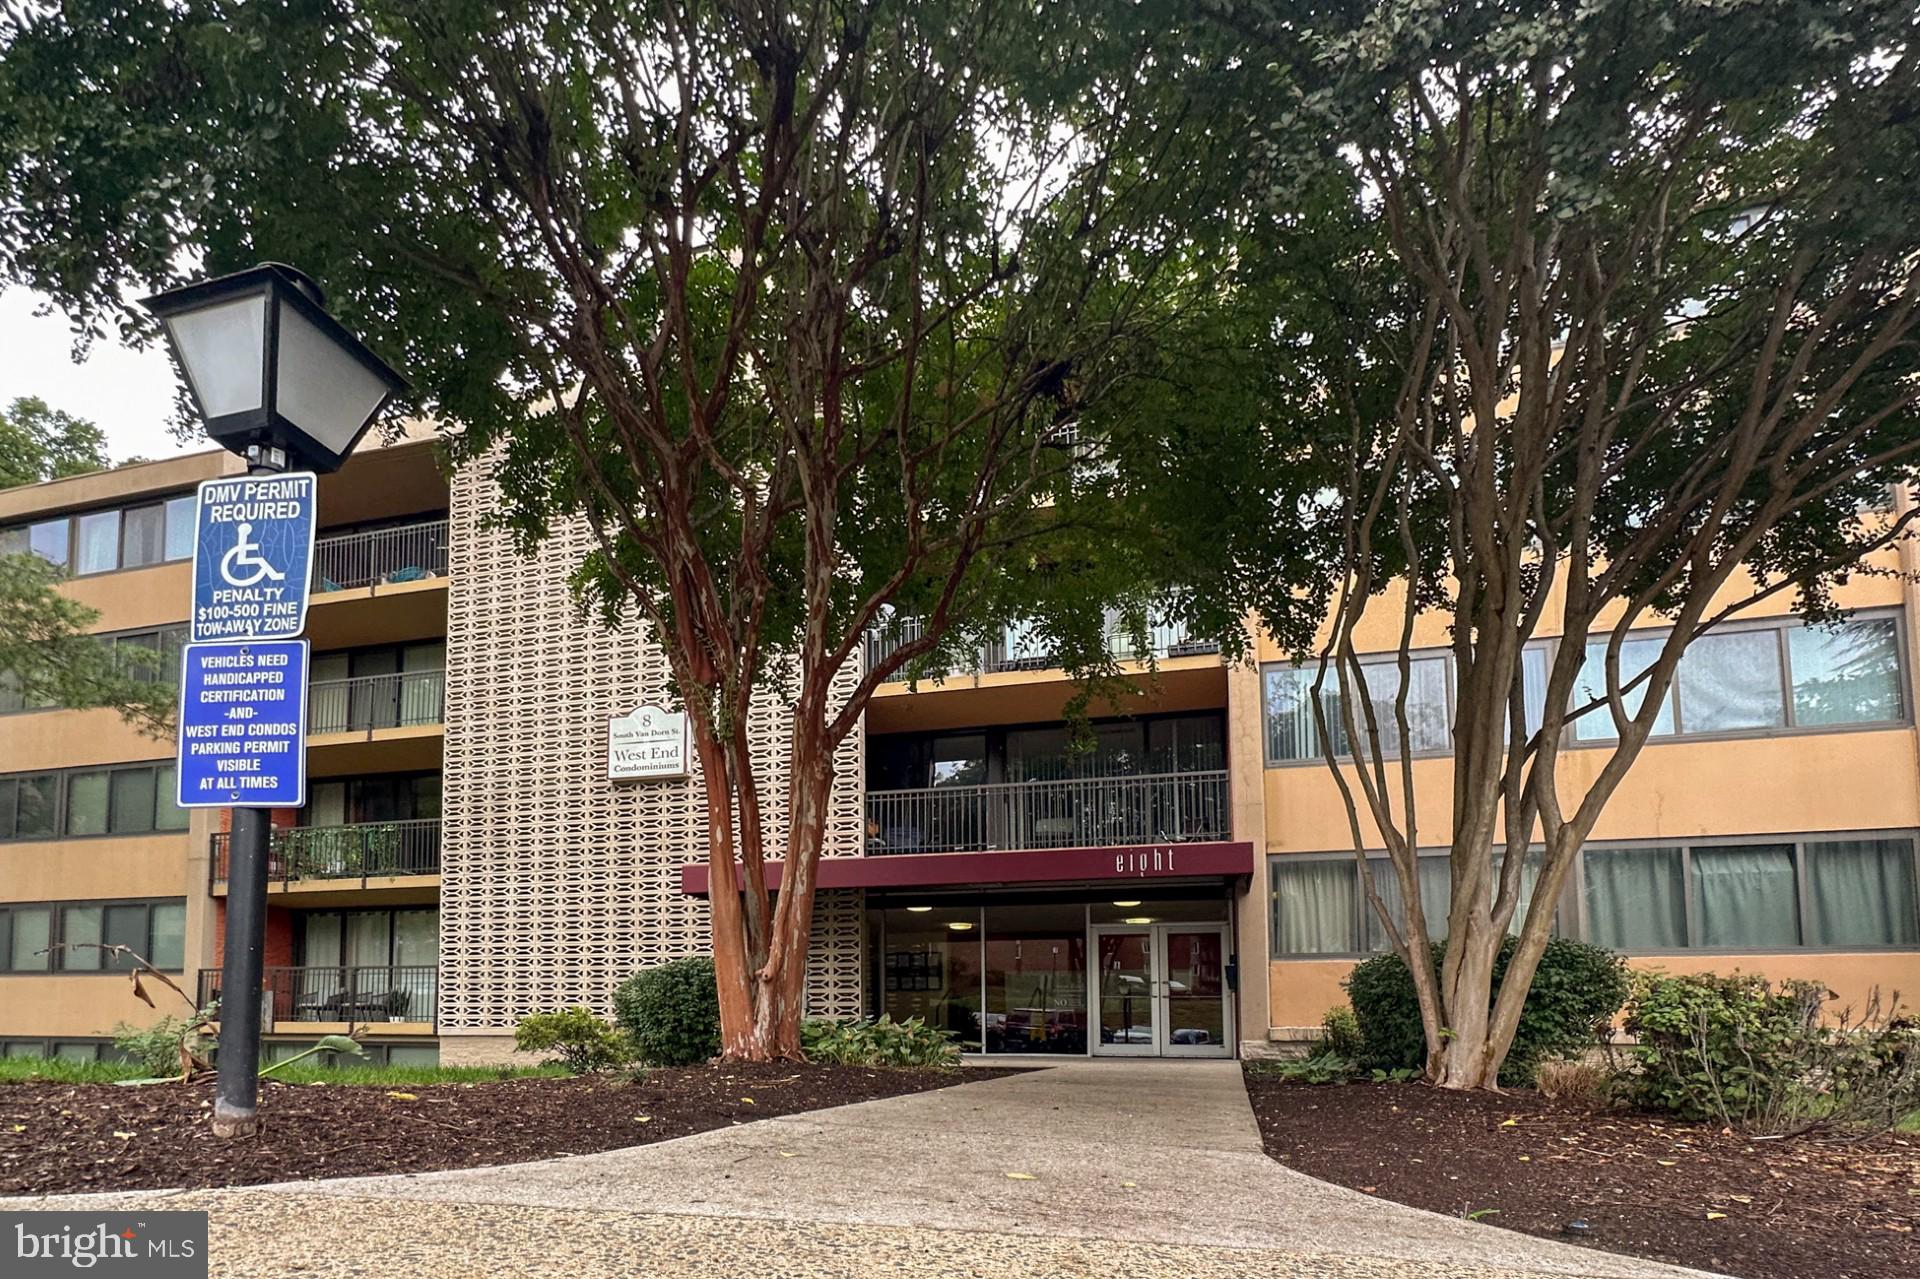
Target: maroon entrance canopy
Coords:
[(1040, 866)]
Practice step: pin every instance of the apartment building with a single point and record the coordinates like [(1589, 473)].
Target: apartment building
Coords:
[(1187, 887)]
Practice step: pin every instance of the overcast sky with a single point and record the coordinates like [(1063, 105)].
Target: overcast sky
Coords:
[(128, 393)]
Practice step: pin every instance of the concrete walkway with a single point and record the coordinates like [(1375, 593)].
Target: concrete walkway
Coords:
[(1090, 1168)]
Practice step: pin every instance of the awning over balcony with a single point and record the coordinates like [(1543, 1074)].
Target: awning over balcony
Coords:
[(1048, 866)]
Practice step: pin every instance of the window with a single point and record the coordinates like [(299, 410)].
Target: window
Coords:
[(80, 932), (97, 538), (102, 541), (181, 513), (92, 801), (131, 800), (1636, 655), (1860, 892), (47, 539), (143, 536), (25, 931), (1849, 674), (87, 803), (1732, 681), (1292, 730), (1315, 906), (152, 656), (1320, 907), (155, 930), (36, 805), (1636, 898), (1841, 893), (1781, 675)]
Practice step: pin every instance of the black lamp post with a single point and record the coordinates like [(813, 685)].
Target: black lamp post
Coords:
[(276, 380)]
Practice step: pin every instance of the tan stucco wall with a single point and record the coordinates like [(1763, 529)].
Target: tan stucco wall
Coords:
[(1798, 783), (481, 1050), (102, 866), (78, 1005)]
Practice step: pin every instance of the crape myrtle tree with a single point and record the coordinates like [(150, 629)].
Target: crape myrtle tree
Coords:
[(798, 306), (1604, 313)]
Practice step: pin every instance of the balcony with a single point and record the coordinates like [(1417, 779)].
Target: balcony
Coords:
[(410, 699), (352, 996), (1018, 648), (1094, 812), (378, 557), (362, 851)]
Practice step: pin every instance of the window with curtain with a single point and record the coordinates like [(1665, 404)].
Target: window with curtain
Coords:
[(169, 929), (1292, 733), (1436, 895), (1745, 896), (1861, 893), (167, 815), (87, 803), (1849, 674), (28, 931), (1731, 680), (1314, 906), (1636, 655), (126, 925), (181, 512), (98, 535), (143, 535), (80, 933), (1636, 898), (1429, 718), (131, 800)]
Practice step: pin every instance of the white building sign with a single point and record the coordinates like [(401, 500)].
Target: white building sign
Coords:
[(650, 742)]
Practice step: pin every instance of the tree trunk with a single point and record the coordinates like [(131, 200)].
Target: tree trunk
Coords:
[(1468, 1058), (761, 1009)]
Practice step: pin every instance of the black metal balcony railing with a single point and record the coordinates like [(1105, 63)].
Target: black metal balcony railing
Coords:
[(380, 993), (1160, 808), (404, 553), (1013, 652), (363, 850), (406, 700)]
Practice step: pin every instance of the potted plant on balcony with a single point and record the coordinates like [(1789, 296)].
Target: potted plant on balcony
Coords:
[(398, 1001)]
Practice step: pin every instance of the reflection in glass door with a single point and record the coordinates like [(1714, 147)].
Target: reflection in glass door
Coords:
[(1194, 989), (1162, 990), (1126, 984)]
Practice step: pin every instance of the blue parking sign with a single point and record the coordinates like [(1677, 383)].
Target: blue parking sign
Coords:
[(243, 725), (253, 556)]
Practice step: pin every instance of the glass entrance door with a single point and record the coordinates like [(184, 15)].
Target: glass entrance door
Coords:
[(1162, 990), (1126, 983), (1193, 986)]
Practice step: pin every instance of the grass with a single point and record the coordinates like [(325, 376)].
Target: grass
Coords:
[(15, 1070), (23, 1070)]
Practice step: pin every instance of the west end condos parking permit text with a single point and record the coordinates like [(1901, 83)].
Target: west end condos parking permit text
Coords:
[(257, 719)]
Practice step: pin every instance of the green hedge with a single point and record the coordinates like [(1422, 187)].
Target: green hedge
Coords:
[(672, 1012), (1577, 989)]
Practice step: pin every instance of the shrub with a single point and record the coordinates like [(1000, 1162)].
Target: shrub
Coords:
[(1324, 1067), (1577, 1082), (672, 1012), (581, 1041), (156, 1048), (1575, 993), (884, 1042), (1340, 1032), (1744, 1052)]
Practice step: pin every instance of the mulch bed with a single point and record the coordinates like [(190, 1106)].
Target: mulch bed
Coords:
[(58, 1138), (1649, 1187)]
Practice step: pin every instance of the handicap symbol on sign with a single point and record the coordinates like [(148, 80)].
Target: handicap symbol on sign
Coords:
[(245, 554)]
